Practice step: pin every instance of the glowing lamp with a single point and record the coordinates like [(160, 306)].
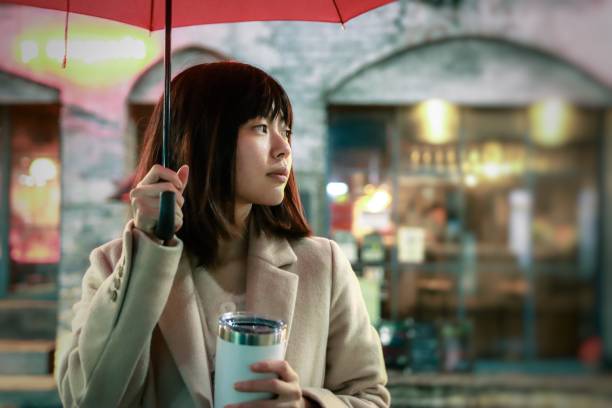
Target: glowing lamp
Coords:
[(438, 121), (550, 122)]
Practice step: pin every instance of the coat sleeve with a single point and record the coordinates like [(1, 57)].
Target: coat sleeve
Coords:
[(355, 374), (123, 295)]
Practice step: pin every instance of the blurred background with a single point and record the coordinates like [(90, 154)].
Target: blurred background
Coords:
[(459, 151)]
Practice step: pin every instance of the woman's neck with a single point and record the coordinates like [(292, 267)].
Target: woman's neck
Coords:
[(232, 249), (235, 247)]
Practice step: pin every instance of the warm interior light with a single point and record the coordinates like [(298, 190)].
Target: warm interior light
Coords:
[(35, 212), (378, 202), (42, 170), (438, 121), (335, 189), (371, 211), (493, 160), (551, 122), (471, 180)]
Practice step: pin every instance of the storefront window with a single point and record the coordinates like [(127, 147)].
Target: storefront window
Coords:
[(487, 218)]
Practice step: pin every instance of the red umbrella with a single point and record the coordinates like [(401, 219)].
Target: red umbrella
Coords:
[(157, 14)]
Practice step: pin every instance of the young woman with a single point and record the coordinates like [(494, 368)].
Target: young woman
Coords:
[(144, 330)]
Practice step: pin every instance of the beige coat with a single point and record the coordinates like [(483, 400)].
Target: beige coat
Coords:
[(138, 328)]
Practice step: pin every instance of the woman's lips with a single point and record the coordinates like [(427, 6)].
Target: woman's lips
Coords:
[(280, 177)]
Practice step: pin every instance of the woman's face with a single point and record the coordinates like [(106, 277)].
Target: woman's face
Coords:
[(263, 161)]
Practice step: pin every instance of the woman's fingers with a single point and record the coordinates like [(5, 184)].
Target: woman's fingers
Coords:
[(178, 218), (154, 191), (282, 368), (145, 197), (274, 386), (158, 173)]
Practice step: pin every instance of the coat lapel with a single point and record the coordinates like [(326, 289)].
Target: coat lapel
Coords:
[(181, 324), (270, 288)]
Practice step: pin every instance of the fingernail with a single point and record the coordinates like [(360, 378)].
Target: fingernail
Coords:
[(257, 366)]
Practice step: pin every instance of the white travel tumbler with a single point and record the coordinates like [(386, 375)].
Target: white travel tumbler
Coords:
[(244, 339)]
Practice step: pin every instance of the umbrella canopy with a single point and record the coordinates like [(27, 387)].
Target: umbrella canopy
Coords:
[(157, 14), (150, 14)]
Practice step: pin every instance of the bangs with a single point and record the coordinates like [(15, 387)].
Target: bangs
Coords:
[(266, 98)]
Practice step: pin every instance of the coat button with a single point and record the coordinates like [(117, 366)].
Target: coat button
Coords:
[(120, 271), (117, 283), (114, 295)]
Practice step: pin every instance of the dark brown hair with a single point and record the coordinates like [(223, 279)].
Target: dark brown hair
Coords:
[(209, 102)]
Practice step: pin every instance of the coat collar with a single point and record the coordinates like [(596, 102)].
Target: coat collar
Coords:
[(270, 290)]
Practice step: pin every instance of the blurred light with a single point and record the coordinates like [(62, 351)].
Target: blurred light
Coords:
[(29, 51), (92, 51), (386, 335), (99, 54), (550, 122), (438, 120), (337, 189), (427, 157), (471, 180), (42, 170), (369, 189), (492, 157), (451, 156), (415, 156), (26, 180), (491, 170), (379, 201)]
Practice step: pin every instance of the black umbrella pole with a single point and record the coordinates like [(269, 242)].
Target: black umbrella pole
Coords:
[(165, 225)]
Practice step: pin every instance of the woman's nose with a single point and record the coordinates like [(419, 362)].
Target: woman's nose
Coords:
[(281, 146)]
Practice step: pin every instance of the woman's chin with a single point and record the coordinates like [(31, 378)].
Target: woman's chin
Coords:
[(272, 201)]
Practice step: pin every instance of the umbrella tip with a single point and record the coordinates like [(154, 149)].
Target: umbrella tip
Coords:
[(342, 26)]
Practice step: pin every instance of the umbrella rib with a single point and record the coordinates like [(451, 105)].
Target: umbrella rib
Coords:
[(338, 12), (65, 60), (151, 7)]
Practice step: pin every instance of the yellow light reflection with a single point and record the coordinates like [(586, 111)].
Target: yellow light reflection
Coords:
[(29, 51), (438, 121), (100, 53), (493, 160), (35, 212), (471, 180), (378, 202), (42, 170), (551, 122), (371, 211), (91, 51)]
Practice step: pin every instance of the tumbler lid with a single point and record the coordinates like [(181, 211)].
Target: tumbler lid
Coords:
[(251, 329)]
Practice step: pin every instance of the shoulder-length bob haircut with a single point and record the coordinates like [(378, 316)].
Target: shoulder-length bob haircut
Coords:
[(209, 102)]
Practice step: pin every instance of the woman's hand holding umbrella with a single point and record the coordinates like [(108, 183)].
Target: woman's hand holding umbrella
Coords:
[(144, 198)]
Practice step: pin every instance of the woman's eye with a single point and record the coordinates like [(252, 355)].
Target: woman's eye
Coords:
[(261, 128), (287, 133)]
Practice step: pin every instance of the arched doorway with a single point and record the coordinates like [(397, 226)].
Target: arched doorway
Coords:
[(148, 88), (477, 165), (30, 179)]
